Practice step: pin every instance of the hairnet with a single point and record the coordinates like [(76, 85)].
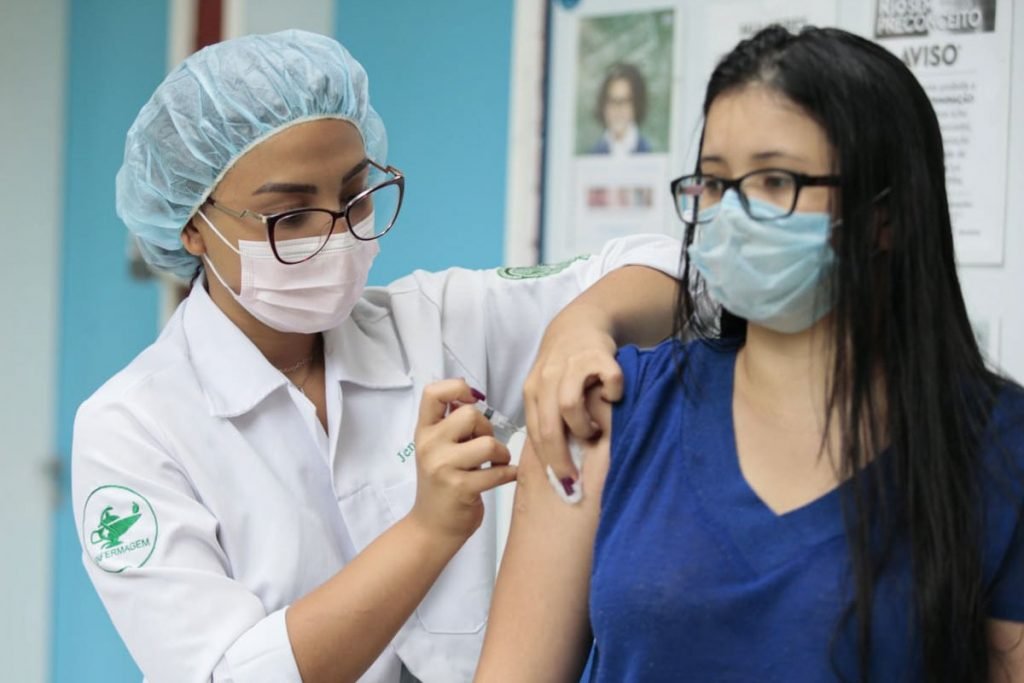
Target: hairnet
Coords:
[(213, 108)]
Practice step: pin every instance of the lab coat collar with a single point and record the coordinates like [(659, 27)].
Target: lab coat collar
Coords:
[(366, 350), (236, 377), (234, 374)]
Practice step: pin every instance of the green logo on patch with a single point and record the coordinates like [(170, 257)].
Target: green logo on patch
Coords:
[(533, 272), (119, 528), (112, 527)]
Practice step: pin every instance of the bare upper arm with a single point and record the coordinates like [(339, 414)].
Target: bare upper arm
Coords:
[(540, 599), (1006, 643)]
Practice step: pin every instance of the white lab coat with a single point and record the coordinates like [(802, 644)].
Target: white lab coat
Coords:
[(236, 501)]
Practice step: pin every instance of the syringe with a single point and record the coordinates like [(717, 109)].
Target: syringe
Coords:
[(505, 430), (503, 427)]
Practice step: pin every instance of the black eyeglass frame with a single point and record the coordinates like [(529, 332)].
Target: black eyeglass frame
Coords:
[(271, 220), (800, 181)]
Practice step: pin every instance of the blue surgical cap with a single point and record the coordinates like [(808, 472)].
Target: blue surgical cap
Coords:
[(216, 106)]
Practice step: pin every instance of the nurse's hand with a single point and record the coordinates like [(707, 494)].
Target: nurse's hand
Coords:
[(453, 443), (577, 353)]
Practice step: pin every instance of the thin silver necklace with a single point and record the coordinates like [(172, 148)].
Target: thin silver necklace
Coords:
[(301, 364), (302, 387)]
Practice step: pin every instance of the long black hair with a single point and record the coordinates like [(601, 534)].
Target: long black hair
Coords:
[(897, 309)]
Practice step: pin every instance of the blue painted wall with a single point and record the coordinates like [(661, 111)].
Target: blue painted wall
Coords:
[(116, 56), (439, 77)]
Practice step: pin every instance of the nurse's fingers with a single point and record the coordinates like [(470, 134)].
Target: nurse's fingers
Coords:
[(477, 453), (462, 424), (438, 396), (487, 479)]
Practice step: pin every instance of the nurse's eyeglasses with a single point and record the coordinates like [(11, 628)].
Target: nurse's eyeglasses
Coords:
[(298, 235), (774, 192)]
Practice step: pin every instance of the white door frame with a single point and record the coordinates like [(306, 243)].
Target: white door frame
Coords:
[(32, 39)]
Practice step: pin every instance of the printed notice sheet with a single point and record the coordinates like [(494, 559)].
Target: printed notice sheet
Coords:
[(960, 51)]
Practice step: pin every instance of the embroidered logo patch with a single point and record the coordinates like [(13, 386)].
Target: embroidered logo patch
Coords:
[(532, 272), (119, 528)]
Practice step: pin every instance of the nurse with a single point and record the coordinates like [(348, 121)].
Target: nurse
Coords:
[(278, 489)]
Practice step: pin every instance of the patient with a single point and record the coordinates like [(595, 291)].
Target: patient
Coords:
[(826, 483)]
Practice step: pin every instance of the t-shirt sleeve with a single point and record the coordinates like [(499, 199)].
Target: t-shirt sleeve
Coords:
[(1007, 593), (630, 360), (644, 379), (1005, 458)]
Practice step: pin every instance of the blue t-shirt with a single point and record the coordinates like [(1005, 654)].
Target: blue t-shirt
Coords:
[(696, 579)]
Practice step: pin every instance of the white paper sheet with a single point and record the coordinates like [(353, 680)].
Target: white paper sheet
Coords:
[(960, 51)]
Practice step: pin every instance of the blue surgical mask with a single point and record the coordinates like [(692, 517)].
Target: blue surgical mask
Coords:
[(772, 273)]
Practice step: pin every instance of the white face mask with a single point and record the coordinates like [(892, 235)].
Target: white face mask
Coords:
[(307, 297)]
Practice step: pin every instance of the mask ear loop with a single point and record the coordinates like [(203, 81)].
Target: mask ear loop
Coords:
[(882, 194), (209, 263), (218, 233)]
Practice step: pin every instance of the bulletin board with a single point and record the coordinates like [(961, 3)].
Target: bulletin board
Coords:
[(596, 183)]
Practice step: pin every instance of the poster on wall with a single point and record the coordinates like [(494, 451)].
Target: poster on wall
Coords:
[(620, 141), (736, 20), (960, 52), (612, 90)]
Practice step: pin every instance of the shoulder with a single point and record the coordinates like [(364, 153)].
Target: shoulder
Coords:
[(671, 360), (660, 379), (1007, 418), (422, 285), (640, 366), (129, 406), (1003, 489), (459, 287), (120, 439), (424, 301), (665, 390), (157, 367), (1003, 441)]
